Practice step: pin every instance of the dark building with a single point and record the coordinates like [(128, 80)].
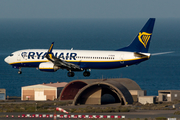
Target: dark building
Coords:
[(101, 91)]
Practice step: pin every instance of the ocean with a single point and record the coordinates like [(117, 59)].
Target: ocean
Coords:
[(160, 72)]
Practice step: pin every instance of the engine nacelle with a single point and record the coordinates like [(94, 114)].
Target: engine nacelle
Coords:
[(48, 67)]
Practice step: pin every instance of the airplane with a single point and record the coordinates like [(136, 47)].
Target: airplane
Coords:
[(85, 60)]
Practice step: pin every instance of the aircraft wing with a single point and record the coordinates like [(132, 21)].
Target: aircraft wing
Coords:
[(61, 63)]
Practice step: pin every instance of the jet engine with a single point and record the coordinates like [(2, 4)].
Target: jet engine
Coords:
[(48, 67)]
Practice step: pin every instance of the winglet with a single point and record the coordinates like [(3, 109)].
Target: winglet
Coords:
[(49, 53), (51, 47)]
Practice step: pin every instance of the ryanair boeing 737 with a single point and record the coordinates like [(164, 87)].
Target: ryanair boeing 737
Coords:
[(84, 60)]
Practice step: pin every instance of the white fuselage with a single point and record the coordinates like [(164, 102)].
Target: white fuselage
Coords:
[(86, 59)]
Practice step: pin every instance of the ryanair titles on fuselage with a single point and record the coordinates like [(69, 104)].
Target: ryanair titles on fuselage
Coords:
[(41, 55)]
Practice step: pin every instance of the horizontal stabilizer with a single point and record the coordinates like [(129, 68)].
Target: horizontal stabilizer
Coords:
[(138, 54)]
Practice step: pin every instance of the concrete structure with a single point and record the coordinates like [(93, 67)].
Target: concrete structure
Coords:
[(2, 94), (97, 91), (137, 93), (42, 92), (147, 99), (169, 95)]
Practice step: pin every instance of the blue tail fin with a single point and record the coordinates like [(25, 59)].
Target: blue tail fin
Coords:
[(142, 40)]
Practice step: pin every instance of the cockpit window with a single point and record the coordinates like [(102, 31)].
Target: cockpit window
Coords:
[(11, 55)]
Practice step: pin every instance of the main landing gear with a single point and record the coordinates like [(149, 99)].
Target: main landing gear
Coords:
[(86, 73), (20, 72), (71, 74)]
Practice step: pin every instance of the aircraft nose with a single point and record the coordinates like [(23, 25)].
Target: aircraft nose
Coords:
[(6, 59)]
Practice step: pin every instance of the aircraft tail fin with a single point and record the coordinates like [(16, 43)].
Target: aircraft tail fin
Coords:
[(142, 40)]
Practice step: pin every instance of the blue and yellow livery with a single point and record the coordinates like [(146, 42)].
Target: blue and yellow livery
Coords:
[(83, 60)]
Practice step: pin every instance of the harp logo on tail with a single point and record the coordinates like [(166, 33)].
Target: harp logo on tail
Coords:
[(144, 38)]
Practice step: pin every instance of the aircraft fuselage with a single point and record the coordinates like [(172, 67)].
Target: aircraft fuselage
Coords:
[(86, 59)]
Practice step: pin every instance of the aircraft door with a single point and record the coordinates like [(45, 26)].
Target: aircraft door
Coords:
[(122, 58), (19, 57)]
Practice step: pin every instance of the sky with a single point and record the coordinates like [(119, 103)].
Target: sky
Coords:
[(89, 8)]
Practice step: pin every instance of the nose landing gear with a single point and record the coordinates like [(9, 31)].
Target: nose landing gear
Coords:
[(20, 72)]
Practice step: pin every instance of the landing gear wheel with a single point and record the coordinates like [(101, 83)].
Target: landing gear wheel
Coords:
[(70, 74), (19, 72), (86, 74)]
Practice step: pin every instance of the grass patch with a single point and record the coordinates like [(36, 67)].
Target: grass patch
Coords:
[(49, 106), (32, 107), (161, 118), (90, 109), (177, 113)]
